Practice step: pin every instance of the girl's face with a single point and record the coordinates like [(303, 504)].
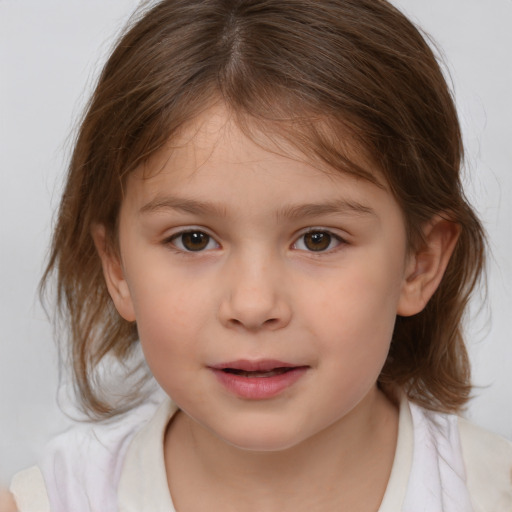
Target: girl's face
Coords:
[(265, 290)]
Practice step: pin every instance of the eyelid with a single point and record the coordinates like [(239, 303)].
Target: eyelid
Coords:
[(170, 240), (314, 229)]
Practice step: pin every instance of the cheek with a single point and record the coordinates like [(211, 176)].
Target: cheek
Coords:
[(168, 346), (169, 321), (355, 313)]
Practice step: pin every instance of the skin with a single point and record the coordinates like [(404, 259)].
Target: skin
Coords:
[(7, 503), (257, 290)]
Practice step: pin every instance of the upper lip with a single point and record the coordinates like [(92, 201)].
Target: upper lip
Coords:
[(261, 365)]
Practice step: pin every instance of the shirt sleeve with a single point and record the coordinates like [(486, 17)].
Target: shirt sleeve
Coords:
[(29, 491), (488, 460)]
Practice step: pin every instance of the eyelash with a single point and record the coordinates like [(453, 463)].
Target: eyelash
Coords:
[(172, 240), (177, 241), (332, 237)]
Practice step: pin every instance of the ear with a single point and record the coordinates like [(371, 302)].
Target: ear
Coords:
[(426, 265), (114, 274)]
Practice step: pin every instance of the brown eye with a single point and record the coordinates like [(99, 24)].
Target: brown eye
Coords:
[(193, 241), (317, 240)]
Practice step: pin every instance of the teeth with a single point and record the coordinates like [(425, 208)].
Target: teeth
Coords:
[(255, 374)]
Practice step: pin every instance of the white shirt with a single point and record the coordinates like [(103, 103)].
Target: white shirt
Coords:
[(442, 464)]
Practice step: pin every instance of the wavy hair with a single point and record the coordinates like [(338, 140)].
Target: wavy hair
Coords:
[(305, 70)]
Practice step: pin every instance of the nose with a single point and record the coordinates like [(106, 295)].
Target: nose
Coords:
[(254, 295)]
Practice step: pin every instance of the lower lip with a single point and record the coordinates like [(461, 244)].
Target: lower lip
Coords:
[(259, 388)]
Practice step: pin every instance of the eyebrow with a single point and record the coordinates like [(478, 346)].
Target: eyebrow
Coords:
[(333, 207), (185, 205), (292, 212)]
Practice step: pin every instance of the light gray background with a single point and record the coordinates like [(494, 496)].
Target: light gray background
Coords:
[(50, 53)]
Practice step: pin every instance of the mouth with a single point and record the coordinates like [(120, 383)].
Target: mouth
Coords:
[(258, 380), (280, 370), (254, 369)]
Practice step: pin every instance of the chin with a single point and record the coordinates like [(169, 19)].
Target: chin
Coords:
[(262, 439)]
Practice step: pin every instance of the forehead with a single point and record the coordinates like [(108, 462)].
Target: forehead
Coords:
[(215, 166), (220, 134)]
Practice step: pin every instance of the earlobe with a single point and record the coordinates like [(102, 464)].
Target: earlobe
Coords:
[(113, 274), (427, 265)]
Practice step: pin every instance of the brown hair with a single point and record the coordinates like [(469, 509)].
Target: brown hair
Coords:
[(297, 67)]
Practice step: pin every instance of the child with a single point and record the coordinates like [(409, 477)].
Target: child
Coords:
[(265, 197)]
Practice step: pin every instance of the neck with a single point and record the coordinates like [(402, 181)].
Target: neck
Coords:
[(344, 467)]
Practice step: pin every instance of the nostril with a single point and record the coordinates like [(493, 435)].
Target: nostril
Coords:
[(269, 323), (248, 312)]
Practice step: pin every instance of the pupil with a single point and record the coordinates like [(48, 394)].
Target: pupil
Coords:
[(317, 241), (195, 241)]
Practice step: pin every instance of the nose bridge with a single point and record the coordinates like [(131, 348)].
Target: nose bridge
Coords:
[(254, 296)]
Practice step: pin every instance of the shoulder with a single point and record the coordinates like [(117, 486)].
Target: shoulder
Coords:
[(457, 465), (29, 490), (488, 462), (81, 467)]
